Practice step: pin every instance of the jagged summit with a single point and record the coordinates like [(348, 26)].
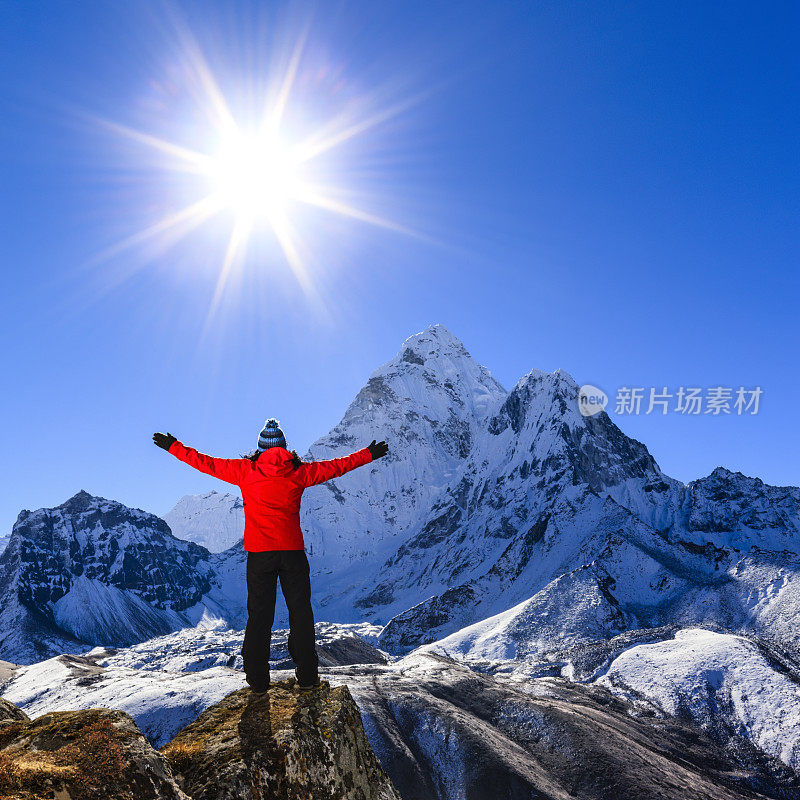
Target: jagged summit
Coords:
[(94, 512), (431, 401), (434, 340), (78, 502), (538, 394), (723, 473), (82, 501), (437, 358)]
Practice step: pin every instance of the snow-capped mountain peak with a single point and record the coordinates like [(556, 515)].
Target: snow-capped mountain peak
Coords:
[(430, 403), (95, 571), (436, 340), (433, 378)]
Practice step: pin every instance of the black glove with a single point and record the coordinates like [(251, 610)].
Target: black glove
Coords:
[(164, 440), (378, 449)]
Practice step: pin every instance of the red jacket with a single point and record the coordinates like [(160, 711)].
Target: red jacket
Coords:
[(271, 490)]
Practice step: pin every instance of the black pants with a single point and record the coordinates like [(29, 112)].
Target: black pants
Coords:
[(263, 571)]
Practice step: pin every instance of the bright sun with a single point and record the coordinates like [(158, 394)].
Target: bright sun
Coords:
[(254, 174)]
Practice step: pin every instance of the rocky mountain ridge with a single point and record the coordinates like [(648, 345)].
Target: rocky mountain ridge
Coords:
[(93, 571)]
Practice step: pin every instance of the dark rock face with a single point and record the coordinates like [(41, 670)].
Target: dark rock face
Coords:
[(333, 650), (728, 501), (596, 451), (80, 755), (411, 357), (286, 745), (106, 541), (402, 633), (443, 731)]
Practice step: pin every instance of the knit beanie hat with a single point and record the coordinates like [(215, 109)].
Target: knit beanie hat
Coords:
[(271, 436)]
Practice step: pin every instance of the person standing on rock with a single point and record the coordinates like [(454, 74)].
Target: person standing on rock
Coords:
[(272, 481)]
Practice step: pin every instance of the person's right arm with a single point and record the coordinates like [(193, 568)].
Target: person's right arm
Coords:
[(226, 469)]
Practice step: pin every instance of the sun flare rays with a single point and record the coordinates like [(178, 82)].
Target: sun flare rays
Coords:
[(256, 171)]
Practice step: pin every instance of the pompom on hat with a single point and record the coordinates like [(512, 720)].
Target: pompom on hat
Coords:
[(271, 436)]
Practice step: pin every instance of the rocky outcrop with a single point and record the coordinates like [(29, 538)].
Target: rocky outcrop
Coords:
[(79, 755), (440, 730), (287, 745)]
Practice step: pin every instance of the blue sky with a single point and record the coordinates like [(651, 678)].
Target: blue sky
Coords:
[(609, 188)]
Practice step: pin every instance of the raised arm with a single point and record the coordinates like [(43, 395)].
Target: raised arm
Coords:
[(226, 469), (313, 472)]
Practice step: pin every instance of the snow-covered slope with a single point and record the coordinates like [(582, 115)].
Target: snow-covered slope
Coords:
[(727, 684), (4, 540), (160, 702), (536, 498), (550, 504), (214, 520), (213, 644), (164, 683), (595, 570), (739, 689)]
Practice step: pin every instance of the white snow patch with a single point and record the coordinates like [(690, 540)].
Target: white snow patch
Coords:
[(715, 677)]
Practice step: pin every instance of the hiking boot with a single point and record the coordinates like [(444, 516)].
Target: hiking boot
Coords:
[(259, 689), (307, 681), (306, 678)]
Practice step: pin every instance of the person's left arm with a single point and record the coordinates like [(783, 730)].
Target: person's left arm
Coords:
[(312, 473)]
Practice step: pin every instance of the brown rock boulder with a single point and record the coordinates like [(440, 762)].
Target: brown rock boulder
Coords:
[(286, 745), (79, 755), (10, 713)]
